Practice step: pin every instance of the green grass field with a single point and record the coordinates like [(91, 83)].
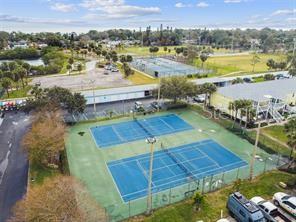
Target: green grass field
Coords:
[(20, 93), (88, 163), (240, 64), (276, 132), (144, 51), (138, 78)]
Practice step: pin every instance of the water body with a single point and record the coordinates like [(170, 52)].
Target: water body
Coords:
[(32, 62)]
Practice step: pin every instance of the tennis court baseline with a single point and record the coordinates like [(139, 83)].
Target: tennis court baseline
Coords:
[(113, 134), (203, 158)]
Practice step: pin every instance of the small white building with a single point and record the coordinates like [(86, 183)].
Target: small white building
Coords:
[(118, 94)]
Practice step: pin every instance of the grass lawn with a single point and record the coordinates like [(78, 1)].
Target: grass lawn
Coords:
[(138, 78), (242, 63), (144, 51), (276, 132), (265, 186), (22, 92), (39, 173)]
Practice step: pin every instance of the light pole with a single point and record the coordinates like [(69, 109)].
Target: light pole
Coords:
[(254, 151), (256, 143), (151, 141), (158, 94)]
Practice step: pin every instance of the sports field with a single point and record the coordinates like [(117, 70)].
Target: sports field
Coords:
[(203, 156)]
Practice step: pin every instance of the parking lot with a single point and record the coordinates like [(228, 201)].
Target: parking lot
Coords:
[(108, 109), (92, 77)]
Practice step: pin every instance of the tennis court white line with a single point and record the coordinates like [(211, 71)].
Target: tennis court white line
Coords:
[(174, 181), (144, 172), (117, 188), (160, 153), (117, 134)]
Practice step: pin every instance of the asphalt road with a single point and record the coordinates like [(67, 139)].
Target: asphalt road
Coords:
[(13, 161)]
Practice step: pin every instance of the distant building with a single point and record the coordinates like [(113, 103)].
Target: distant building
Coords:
[(270, 98), (20, 44)]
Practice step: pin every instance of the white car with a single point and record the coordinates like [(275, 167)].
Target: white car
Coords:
[(286, 201), (269, 210)]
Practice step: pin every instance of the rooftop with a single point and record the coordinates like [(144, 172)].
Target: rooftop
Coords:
[(278, 89)]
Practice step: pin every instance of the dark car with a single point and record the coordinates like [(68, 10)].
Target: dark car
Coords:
[(155, 105)]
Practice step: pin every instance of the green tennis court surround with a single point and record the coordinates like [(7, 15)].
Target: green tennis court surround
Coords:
[(90, 164)]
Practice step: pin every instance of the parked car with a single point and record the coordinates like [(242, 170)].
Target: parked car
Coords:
[(138, 106), (247, 80), (199, 98), (243, 210), (285, 201), (155, 105), (114, 70), (269, 210)]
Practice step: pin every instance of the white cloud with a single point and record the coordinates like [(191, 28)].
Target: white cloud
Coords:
[(232, 1), (284, 12), (293, 19), (116, 9), (29, 20), (61, 7), (202, 5), (182, 5)]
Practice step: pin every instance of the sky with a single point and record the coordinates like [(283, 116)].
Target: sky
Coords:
[(83, 15)]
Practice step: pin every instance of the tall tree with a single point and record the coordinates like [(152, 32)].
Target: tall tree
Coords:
[(177, 88), (6, 84), (208, 89), (255, 59), (45, 140), (61, 198), (290, 129), (203, 57)]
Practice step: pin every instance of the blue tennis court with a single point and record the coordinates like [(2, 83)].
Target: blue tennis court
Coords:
[(124, 132), (194, 160)]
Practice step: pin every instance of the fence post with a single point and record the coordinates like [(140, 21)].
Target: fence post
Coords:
[(265, 165), (237, 173), (278, 160), (129, 209), (222, 179), (189, 186), (170, 195), (211, 180), (203, 185)]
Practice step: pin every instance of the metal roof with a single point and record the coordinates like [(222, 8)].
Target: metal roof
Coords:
[(120, 90), (278, 89)]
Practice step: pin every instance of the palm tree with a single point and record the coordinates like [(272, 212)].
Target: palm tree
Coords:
[(27, 67), (6, 84), (208, 89), (235, 106), (16, 77), (290, 129), (203, 57), (22, 74), (245, 106), (255, 59), (69, 67)]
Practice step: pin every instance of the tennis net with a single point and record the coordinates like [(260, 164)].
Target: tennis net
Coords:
[(175, 159), (143, 127)]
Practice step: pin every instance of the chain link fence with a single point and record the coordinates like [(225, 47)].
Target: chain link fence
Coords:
[(121, 211)]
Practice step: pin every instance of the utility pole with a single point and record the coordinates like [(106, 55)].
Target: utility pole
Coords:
[(151, 141), (158, 94), (294, 47), (254, 151), (94, 98)]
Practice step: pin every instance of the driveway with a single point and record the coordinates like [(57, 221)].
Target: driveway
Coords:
[(13, 161)]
